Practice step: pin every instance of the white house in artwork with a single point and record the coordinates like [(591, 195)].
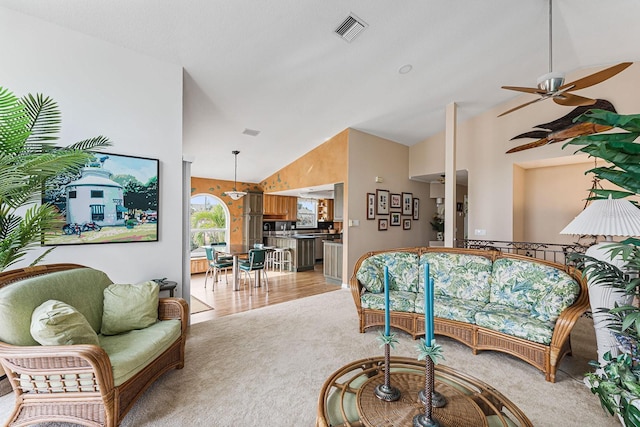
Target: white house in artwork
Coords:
[(95, 197)]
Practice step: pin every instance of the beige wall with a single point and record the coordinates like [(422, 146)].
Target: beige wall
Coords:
[(371, 156), (483, 140)]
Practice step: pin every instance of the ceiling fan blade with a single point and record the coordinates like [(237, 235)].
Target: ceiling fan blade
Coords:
[(595, 78), (526, 89), (522, 106), (571, 100)]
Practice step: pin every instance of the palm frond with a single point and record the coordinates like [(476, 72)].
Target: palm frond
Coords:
[(630, 122), (91, 143), (14, 122), (44, 115)]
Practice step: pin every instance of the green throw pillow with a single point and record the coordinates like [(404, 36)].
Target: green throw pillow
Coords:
[(129, 307), (57, 323), (371, 276)]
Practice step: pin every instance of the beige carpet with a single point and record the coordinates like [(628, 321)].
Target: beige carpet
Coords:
[(198, 306), (265, 367)]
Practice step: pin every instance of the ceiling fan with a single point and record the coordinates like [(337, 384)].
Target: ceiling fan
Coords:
[(552, 85)]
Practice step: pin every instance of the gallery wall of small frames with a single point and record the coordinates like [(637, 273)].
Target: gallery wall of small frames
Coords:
[(392, 209)]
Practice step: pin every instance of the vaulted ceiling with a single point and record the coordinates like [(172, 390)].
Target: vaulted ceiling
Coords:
[(276, 66)]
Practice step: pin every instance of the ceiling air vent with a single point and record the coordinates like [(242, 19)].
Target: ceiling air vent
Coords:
[(251, 132), (350, 28)]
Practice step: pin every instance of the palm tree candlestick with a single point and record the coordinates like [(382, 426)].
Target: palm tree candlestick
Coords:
[(386, 391), (429, 397)]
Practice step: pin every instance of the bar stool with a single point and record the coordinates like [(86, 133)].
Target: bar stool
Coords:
[(282, 258), (269, 260)]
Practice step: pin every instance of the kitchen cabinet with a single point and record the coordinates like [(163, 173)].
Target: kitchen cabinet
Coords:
[(252, 218), (302, 250), (338, 202), (325, 210), (332, 264), (280, 207)]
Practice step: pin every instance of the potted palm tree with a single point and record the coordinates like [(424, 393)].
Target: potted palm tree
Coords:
[(29, 157), (616, 381)]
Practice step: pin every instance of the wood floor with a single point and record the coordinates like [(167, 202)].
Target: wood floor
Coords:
[(283, 287)]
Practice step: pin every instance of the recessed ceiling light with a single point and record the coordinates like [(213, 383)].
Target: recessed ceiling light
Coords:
[(405, 69), (251, 132)]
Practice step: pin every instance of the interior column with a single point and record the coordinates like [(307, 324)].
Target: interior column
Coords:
[(450, 175)]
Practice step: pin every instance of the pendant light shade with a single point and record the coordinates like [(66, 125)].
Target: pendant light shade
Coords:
[(235, 195)]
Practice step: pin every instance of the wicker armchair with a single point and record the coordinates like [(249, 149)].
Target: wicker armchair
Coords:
[(75, 383)]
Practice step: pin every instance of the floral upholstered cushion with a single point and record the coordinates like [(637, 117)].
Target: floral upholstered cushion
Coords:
[(540, 290), (370, 274), (398, 301), (403, 271), (517, 323), (459, 276), (452, 308)]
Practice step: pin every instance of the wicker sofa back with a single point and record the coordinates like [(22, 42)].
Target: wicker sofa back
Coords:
[(83, 383), (486, 299)]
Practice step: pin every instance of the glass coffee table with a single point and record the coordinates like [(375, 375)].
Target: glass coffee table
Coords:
[(347, 397)]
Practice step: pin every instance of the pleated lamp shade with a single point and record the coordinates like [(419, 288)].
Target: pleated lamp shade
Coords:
[(606, 217)]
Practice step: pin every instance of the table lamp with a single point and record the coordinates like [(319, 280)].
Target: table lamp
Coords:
[(606, 217)]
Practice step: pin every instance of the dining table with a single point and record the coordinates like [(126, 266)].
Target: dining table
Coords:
[(236, 251)]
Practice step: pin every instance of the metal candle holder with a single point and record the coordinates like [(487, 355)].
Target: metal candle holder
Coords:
[(386, 391), (429, 397)]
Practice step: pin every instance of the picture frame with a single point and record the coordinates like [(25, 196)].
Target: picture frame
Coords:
[(383, 224), (113, 199), (406, 224), (395, 218), (407, 204), (382, 202), (371, 206), (416, 209), (396, 201)]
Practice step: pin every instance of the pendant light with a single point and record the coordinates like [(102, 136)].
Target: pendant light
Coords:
[(235, 195)]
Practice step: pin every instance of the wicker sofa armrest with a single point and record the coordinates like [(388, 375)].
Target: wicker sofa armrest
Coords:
[(174, 308), (85, 368)]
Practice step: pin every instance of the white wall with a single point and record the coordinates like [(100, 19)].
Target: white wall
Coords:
[(483, 140), (103, 89)]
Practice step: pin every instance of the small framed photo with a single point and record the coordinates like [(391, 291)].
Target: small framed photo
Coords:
[(406, 224), (407, 203), (395, 218), (382, 202), (371, 206), (396, 201), (383, 224), (416, 209)]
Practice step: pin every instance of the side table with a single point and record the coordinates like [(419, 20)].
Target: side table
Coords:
[(167, 285)]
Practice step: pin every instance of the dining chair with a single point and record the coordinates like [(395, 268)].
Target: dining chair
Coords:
[(256, 262), (216, 264)]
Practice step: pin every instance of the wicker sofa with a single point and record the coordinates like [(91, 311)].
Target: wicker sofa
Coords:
[(88, 384), (488, 300)]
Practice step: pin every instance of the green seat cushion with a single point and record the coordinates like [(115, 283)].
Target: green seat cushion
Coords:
[(398, 301), (57, 323), (461, 276), (452, 308), (132, 351), (128, 307), (514, 322), (81, 288), (541, 290)]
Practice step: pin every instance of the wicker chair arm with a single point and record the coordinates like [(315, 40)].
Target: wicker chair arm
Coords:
[(50, 361), (174, 308)]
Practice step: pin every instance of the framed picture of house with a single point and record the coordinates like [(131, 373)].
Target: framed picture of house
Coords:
[(406, 224), (395, 218), (371, 206), (382, 202), (407, 204), (396, 201), (416, 209), (113, 199), (383, 224)]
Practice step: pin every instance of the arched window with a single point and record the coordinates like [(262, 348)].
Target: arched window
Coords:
[(209, 223)]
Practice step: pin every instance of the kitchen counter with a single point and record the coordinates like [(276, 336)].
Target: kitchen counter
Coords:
[(333, 261), (301, 248)]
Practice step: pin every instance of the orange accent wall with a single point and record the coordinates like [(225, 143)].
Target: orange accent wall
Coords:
[(325, 164), (217, 187)]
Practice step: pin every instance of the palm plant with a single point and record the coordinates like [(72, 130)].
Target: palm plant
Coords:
[(28, 158), (617, 381)]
